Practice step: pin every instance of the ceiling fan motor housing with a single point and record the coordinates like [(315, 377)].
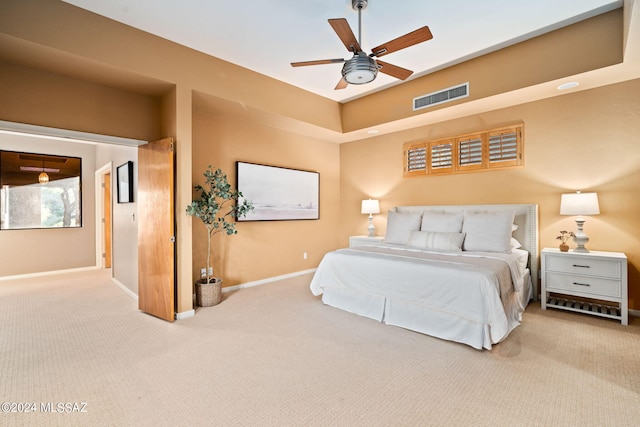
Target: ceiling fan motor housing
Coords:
[(359, 4), (360, 69)]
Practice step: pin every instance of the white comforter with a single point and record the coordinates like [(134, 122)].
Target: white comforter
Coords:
[(468, 297)]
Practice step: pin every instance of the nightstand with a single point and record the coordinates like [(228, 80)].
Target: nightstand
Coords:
[(594, 275), (364, 240)]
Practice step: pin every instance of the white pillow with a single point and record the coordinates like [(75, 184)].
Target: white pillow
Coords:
[(442, 222), (488, 231), (400, 224), (436, 241), (515, 244)]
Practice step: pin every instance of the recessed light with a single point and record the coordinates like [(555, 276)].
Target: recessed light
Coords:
[(569, 85)]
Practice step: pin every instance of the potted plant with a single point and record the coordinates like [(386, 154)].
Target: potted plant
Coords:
[(564, 237), (216, 207)]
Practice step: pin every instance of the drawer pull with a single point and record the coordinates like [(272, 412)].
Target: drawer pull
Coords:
[(581, 284), (581, 266)]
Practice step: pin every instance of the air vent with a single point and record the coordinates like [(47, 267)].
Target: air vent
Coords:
[(440, 97)]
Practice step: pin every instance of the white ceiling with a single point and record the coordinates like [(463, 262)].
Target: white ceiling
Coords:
[(267, 35)]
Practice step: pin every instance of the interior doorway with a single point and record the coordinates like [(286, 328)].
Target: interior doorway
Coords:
[(103, 216)]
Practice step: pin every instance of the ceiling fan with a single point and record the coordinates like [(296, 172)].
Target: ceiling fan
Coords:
[(363, 68)]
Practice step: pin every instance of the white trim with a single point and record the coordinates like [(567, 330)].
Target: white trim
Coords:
[(268, 280), (13, 128), (46, 273), (185, 314), (126, 290)]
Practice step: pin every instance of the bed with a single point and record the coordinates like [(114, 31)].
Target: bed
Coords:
[(463, 273)]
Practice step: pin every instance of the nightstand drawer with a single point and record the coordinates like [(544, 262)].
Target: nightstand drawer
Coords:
[(582, 284), (584, 266)]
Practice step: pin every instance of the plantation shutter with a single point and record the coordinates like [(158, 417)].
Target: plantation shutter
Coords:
[(441, 156), (493, 149), (415, 159), (470, 153), (505, 148)]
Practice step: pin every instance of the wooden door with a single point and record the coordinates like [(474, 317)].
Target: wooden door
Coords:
[(156, 229), (106, 223)]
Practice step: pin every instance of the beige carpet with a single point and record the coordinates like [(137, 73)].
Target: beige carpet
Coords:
[(275, 355)]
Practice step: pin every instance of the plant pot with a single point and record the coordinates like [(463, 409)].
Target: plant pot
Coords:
[(208, 294), (564, 247)]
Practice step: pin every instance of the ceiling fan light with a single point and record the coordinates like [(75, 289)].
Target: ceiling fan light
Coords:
[(360, 69)]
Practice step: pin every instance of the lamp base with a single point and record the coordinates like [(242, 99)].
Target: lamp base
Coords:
[(371, 229), (580, 238)]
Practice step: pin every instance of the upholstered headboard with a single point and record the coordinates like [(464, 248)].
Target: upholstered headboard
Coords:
[(526, 218)]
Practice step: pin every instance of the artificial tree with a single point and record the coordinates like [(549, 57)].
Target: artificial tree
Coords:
[(216, 207)]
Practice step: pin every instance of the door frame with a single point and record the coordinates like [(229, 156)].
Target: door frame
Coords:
[(100, 232)]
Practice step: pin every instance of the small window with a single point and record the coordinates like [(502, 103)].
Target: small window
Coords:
[(470, 153), (40, 191), (416, 159), (440, 157), (489, 150)]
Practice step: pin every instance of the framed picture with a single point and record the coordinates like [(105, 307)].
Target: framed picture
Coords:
[(278, 193), (125, 182)]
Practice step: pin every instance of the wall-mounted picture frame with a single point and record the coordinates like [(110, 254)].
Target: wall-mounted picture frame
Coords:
[(278, 193), (124, 176)]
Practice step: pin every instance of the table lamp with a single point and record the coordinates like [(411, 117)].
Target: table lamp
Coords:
[(580, 204), (370, 207)]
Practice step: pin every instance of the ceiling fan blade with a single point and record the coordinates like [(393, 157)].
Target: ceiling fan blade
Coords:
[(317, 62), (418, 36), (394, 70), (342, 84), (343, 30)]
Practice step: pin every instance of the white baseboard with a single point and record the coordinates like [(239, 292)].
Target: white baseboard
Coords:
[(46, 273), (185, 314), (125, 289), (190, 313), (268, 280)]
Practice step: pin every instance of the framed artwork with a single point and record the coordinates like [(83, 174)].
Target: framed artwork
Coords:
[(124, 177), (278, 193)]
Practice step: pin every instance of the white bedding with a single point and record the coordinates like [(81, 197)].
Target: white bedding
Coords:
[(451, 295)]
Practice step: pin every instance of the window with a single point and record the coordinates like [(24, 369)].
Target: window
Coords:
[(489, 150), (39, 191)]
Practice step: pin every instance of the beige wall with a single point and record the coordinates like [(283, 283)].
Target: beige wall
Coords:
[(582, 141), (48, 99), (264, 249), (124, 218)]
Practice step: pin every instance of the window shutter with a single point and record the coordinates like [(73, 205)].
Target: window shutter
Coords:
[(493, 149), (505, 148), (416, 159), (441, 156), (470, 153)]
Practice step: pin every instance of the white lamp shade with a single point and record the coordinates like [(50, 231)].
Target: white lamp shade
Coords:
[(579, 204), (370, 207)]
